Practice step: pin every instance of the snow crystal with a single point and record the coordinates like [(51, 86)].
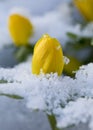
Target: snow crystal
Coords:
[(70, 100), (66, 60)]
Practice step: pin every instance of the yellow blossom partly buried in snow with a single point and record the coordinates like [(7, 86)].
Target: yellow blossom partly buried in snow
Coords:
[(48, 56), (20, 27), (86, 8)]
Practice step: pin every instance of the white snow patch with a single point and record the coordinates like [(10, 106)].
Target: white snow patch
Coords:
[(76, 112), (70, 100), (66, 60)]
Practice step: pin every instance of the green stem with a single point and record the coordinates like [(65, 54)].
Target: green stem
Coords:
[(52, 122), (22, 52)]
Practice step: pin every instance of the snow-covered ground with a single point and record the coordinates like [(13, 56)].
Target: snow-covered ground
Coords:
[(58, 95)]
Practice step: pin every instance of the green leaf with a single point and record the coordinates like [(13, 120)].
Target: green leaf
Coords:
[(2, 81), (72, 35), (14, 96)]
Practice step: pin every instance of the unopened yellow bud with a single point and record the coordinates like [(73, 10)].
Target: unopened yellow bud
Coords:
[(20, 29), (48, 56), (86, 8)]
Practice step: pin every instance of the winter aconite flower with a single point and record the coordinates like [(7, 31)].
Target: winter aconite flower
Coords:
[(48, 56), (86, 8), (20, 27)]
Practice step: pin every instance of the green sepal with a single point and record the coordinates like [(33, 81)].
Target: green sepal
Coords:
[(14, 96)]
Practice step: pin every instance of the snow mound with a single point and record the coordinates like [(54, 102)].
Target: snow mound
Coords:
[(70, 100)]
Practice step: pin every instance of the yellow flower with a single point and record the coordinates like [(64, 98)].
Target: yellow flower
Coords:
[(20, 28), (86, 8), (48, 56)]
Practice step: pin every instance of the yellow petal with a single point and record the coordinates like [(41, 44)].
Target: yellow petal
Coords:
[(20, 29), (48, 56), (85, 7)]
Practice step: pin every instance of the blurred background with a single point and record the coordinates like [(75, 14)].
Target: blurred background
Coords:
[(37, 11)]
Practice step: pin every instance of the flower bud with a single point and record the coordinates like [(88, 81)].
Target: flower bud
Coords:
[(20, 28), (48, 56), (86, 8)]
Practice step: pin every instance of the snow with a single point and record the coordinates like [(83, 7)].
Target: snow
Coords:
[(73, 116), (66, 60), (21, 11), (56, 95)]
